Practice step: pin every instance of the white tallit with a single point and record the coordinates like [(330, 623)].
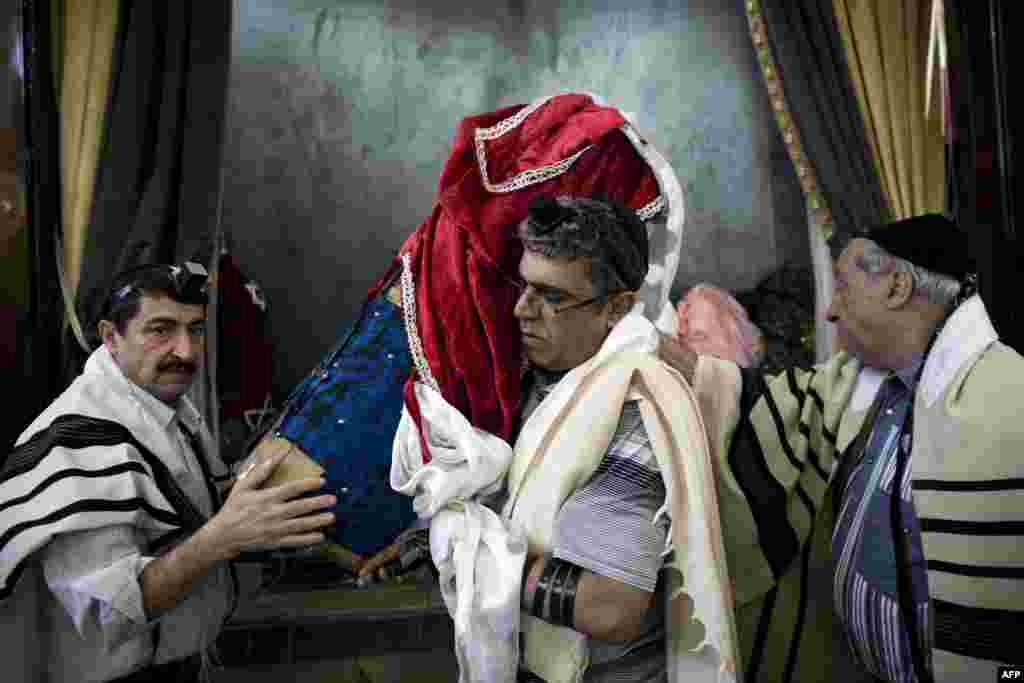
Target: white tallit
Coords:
[(558, 450)]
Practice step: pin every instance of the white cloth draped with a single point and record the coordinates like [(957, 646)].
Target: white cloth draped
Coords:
[(478, 555)]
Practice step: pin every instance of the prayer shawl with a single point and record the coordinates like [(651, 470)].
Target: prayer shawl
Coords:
[(777, 444), (82, 465), (558, 450), (458, 265)]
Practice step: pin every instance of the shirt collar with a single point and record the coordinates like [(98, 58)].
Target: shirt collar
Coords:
[(967, 332)]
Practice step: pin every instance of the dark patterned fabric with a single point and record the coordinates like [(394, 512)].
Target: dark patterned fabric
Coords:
[(867, 585), (344, 415)]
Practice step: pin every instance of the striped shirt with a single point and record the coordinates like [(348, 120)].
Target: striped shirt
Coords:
[(868, 594), (607, 528)]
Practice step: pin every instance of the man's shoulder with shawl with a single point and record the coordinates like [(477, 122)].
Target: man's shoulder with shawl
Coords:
[(89, 413), (90, 395)]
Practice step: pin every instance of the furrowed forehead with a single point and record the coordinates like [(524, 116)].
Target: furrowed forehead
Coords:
[(157, 309), (571, 277)]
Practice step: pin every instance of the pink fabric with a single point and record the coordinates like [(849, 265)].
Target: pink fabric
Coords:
[(464, 254), (712, 322)]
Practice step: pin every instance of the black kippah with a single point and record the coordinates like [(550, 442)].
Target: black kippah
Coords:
[(931, 241), (546, 214), (625, 245)]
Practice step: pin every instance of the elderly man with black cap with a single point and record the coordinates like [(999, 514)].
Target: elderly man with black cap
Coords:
[(903, 454), (114, 541)]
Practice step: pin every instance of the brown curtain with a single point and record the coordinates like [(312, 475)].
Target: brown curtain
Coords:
[(886, 45), (156, 192), (802, 59), (87, 32)]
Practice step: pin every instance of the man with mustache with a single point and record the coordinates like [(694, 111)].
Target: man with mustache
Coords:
[(115, 539)]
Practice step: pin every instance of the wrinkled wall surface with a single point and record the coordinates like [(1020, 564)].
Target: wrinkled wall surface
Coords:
[(342, 113)]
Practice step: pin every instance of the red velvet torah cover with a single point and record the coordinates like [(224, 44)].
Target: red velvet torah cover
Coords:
[(465, 252)]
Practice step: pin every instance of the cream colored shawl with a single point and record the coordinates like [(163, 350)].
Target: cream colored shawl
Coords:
[(558, 450)]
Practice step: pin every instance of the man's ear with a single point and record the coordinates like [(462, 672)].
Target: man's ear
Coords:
[(108, 334), (619, 306), (901, 289)]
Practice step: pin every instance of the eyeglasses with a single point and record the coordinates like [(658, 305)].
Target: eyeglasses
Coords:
[(549, 299)]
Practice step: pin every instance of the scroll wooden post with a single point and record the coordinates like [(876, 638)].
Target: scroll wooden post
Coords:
[(298, 465)]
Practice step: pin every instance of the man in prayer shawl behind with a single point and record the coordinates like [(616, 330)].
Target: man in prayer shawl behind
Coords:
[(590, 502), (904, 453), (114, 543)]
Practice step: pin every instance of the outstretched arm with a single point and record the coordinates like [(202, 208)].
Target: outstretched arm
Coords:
[(276, 516)]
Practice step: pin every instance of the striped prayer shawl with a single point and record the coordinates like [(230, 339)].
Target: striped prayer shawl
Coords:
[(776, 461), (84, 473), (774, 487)]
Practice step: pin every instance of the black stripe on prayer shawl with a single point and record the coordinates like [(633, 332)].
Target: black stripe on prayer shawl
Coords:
[(197, 447), (127, 505), (969, 486), (71, 431), (215, 501), (764, 623), (976, 570), (815, 396), (780, 428), (805, 430), (801, 617), (982, 633), (959, 526), (829, 436), (812, 455), (805, 561), (78, 432), (811, 393), (765, 495), (75, 472), (787, 447)]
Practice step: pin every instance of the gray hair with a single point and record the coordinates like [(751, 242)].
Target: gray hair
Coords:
[(936, 288), (573, 239)]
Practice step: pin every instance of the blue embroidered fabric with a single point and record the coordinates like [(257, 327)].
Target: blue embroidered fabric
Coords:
[(345, 414)]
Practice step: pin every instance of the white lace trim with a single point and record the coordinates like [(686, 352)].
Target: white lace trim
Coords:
[(505, 125), (652, 209), (409, 314), (525, 178)]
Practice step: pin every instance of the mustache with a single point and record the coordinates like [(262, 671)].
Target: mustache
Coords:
[(176, 365)]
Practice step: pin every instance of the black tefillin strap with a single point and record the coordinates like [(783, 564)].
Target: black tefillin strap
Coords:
[(554, 599)]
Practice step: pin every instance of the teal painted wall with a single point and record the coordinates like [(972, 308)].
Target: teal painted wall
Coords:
[(342, 115)]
